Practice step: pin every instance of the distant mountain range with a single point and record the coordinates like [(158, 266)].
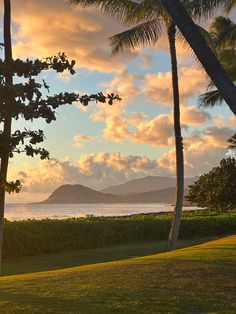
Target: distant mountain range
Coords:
[(166, 196), (146, 184), (145, 190)]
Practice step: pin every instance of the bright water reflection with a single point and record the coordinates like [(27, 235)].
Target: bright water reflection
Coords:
[(60, 211)]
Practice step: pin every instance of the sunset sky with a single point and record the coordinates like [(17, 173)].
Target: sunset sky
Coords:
[(99, 145)]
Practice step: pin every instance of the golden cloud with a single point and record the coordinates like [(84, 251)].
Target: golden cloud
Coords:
[(201, 152), (81, 139), (44, 28), (96, 171), (158, 87)]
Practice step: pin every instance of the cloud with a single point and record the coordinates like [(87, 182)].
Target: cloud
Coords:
[(96, 171), (232, 121), (116, 129), (193, 116), (147, 89), (82, 33), (157, 132), (147, 60), (127, 85), (80, 139), (201, 151), (138, 128), (158, 87), (218, 136), (221, 121)]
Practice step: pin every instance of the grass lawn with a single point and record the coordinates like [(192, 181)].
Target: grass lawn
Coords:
[(199, 279), (30, 264)]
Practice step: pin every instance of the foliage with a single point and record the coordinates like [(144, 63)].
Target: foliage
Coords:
[(34, 237), (232, 142), (222, 38), (230, 5), (147, 18), (216, 189), (26, 100)]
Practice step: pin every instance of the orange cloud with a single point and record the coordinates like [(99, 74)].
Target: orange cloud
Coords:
[(158, 87), (193, 116), (139, 129), (47, 27), (80, 139), (97, 171), (201, 152)]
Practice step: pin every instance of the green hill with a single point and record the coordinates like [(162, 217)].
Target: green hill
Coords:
[(199, 279)]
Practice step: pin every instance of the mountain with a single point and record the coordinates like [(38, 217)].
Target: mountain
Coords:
[(166, 196), (147, 184), (79, 194)]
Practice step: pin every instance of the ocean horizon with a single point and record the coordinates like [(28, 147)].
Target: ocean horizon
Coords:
[(62, 211)]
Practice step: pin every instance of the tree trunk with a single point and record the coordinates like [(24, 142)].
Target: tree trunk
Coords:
[(7, 122), (205, 55), (173, 236)]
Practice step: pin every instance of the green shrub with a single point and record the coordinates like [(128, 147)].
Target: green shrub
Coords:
[(216, 189), (33, 237)]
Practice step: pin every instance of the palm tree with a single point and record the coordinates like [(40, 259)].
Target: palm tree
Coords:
[(232, 142), (7, 123), (205, 55), (148, 32), (152, 17), (230, 5), (223, 39), (176, 10)]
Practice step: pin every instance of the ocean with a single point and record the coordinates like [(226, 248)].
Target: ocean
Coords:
[(62, 211)]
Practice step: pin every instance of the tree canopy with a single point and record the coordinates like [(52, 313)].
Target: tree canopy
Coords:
[(222, 39), (26, 100), (216, 189)]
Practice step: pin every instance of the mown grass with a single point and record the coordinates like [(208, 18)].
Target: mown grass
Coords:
[(29, 264), (199, 279), (34, 237)]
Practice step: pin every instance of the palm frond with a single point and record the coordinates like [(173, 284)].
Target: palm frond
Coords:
[(118, 9), (223, 34), (210, 99), (141, 35), (203, 9), (227, 57), (223, 30), (230, 5), (232, 142), (146, 10)]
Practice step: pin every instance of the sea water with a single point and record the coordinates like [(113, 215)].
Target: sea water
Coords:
[(62, 211)]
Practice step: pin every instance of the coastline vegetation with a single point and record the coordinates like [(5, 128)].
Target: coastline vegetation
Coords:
[(35, 237)]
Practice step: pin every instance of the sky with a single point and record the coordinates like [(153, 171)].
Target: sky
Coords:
[(102, 145)]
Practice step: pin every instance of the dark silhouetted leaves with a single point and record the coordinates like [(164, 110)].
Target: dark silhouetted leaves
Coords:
[(26, 100)]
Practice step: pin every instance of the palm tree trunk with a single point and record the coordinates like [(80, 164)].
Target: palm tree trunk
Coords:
[(173, 236), (7, 122), (205, 55)]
